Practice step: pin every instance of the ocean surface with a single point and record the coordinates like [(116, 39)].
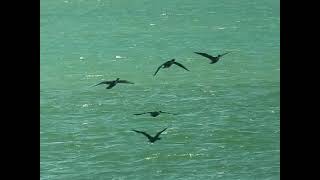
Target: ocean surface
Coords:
[(228, 122)]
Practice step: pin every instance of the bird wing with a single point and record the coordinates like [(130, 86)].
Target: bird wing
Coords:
[(103, 82), (158, 69), (176, 63), (158, 134), (168, 113), (144, 133), (205, 55), (125, 81), (140, 113), (224, 54)]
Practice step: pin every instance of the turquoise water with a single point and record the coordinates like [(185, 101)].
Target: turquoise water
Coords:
[(228, 125)]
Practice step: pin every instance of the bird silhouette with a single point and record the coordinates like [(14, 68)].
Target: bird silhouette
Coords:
[(213, 59), (113, 83), (168, 64), (150, 138), (154, 113)]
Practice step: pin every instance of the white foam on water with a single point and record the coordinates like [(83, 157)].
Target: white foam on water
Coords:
[(85, 105), (94, 75), (119, 57)]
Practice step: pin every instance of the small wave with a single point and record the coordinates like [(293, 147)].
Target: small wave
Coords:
[(93, 75), (193, 98), (149, 158)]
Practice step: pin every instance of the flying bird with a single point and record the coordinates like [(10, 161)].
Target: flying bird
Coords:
[(213, 59), (113, 83), (154, 113), (151, 139), (168, 64)]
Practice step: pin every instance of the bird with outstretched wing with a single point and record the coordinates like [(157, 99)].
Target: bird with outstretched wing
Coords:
[(168, 64), (150, 138), (213, 59)]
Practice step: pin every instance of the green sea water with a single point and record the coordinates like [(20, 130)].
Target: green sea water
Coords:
[(228, 123)]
